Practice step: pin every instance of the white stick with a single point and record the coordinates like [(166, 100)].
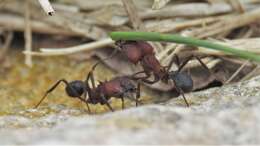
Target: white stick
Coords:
[(79, 48), (46, 5)]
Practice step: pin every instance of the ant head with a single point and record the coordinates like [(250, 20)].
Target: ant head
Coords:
[(181, 80), (129, 88), (75, 88), (120, 43)]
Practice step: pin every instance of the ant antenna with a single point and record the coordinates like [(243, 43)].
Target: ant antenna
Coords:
[(50, 90)]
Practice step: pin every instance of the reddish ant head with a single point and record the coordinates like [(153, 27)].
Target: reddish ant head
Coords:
[(181, 80), (131, 50), (146, 48), (75, 88)]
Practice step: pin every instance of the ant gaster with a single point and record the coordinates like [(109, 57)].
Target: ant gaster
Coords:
[(118, 87), (143, 53)]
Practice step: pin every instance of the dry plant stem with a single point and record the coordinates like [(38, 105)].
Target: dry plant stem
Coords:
[(248, 44), (236, 5), (158, 4), (213, 63), (164, 27), (6, 45), (237, 72), (66, 51), (28, 35), (136, 20), (83, 47), (252, 73), (17, 23), (228, 24), (133, 15)]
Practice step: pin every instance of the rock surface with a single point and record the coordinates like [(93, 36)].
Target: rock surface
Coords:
[(226, 115)]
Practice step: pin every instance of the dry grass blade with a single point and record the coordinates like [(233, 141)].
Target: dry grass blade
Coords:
[(158, 4), (84, 47), (237, 72), (28, 35), (6, 45)]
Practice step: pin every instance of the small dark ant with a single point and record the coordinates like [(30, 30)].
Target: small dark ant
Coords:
[(118, 87), (143, 53)]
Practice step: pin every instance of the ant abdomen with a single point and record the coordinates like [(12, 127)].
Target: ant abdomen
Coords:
[(182, 80), (75, 88)]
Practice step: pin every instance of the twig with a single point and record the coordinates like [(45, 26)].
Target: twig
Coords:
[(137, 21), (236, 72), (6, 45), (28, 35), (46, 5), (17, 23), (251, 74), (65, 51), (133, 15)]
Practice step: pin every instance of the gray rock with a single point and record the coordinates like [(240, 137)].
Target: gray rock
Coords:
[(226, 115)]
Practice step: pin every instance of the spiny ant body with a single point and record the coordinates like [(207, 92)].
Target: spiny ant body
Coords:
[(143, 53), (118, 87)]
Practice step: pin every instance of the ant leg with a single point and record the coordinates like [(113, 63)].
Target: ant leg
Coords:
[(85, 101), (91, 75), (106, 102), (175, 57), (189, 58), (123, 102), (156, 79), (181, 92), (200, 61), (183, 96), (50, 90), (203, 64), (138, 93), (140, 72), (184, 63)]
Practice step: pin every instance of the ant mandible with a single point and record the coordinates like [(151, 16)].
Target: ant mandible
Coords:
[(143, 53), (118, 87)]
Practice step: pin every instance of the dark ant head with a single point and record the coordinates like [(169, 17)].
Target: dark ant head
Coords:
[(75, 88), (181, 80), (119, 43), (129, 88)]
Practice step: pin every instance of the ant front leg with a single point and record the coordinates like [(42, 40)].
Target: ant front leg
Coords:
[(174, 58), (197, 58), (85, 101), (91, 76), (51, 89)]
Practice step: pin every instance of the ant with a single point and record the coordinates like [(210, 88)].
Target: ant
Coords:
[(143, 53), (118, 87)]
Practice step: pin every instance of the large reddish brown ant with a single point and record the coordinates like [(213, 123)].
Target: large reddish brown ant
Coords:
[(143, 53), (118, 87)]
